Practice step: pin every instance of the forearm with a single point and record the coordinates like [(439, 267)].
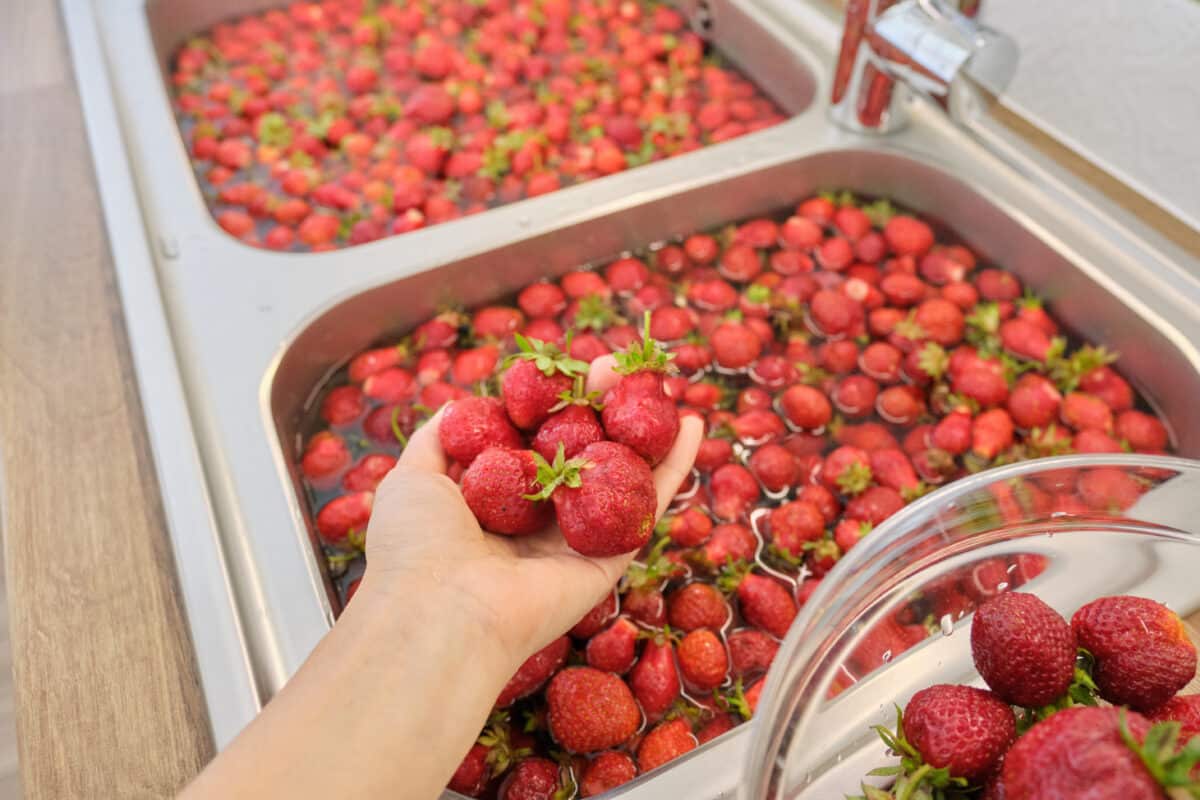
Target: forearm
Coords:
[(386, 706)]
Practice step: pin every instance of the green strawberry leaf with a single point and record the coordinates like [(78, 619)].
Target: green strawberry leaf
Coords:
[(646, 356)]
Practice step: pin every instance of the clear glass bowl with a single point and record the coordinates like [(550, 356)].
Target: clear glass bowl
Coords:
[(893, 617)]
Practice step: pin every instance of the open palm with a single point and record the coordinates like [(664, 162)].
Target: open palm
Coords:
[(530, 589)]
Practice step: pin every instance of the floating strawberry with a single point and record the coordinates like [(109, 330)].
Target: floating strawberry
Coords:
[(655, 678), (605, 772), (1023, 649), (697, 605), (703, 660), (533, 779), (1142, 650), (762, 601), (604, 498), (665, 743), (535, 671), (590, 710), (573, 428), (751, 652)]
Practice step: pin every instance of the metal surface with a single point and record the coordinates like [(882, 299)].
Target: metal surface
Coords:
[(251, 332), (924, 45)]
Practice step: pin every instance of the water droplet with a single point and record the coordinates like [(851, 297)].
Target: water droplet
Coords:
[(524, 222), (887, 656), (947, 624)]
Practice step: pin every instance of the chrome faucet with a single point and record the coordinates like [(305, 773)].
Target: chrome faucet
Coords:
[(892, 48)]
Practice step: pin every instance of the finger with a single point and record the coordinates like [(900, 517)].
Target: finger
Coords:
[(424, 450), (602, 375), (676, 467)]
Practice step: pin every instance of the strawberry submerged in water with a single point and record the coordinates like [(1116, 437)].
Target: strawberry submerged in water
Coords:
[(604, 498), (637, 412)]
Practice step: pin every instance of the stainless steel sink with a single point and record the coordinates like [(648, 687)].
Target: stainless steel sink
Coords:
[(230, 342)]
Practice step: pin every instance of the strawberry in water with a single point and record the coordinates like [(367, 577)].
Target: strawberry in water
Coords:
[(595, 619), (655, 678), (1023, 649), (1142, 650), (342, 522), (613, 649), (697, 605), (497, 486), (325, 456), (604, 498), (703, 660), (590, 710), (535, 381), (637, 412), (763, 601), (668, 741), (605, 772), (751, 652), (532, 779), (534, 673)]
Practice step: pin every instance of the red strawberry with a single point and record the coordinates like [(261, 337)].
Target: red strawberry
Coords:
[(1110, 387), (1142, 431), (1182, 708), (473, 424), (475, 365), (991, 433), (703, 660), (953, 433), (370, 362), (775, 467), (496, 487), (730, 542), (1080, 411), (1142, 650), (900, 405), (850, 532), (794, 524), (847, 470), (613, 649), (823, 499), (722, 723), (655, 679), (1034, 401), (1025, 339), (534, 673), (763, 601), (604, 498), (325, 456), (595, 619), (605, 772), (430, 104), (855, 395), (893, 469), (961, 729), (1094, 441), (665, 743), (1023, 649), (473, 773), (536, 379), (833, 313), (574, 428), (539, 300), (1109, 489), (342, 522), (637, 412), (875, 504), (532, 779), (734, 490), (590, 710), (908, 236), (343, 405), (368, 472), (697, 605), (689, 528), (750, 652), (1080, 752), (734, 345)]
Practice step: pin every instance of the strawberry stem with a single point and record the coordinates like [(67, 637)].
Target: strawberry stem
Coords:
[(562, 472), (647, 355)]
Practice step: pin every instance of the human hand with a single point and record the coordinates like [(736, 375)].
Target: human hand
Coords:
[(523, 591)]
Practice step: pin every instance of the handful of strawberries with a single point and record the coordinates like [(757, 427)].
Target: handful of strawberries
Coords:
[(592, 472), (1060, 743)]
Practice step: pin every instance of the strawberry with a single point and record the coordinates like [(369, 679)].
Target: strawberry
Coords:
[(849, 532), (497, 486), (722, 723), (1141, 430), (1025, 339), (847, 470), (573, 428), (534, 673), (605, 772), (533, 779), (1182, 708), (735, 346), (730, 542), (775, 467), (542, 300), (473, 774), (697, 605), (1023, 649), (367, 474), (1081, 411), (342, 522), (1108, 489), (763, 601), (535, 380), (823, 499), (500, 322), (637, 412), (1110, 387), (1142, 650), (325, 456), (991, 433), (430, 104), (1034, 401), (875, 504), (475, 365), (595, 619), (604, 498), (833, 313), (691, 527), (892, 468), (590, 710), (703, 660), (472, 425), (665, 743), (1080, 752), (900, 405), (655, 679), (1091, 440), (343, 405), (794, 524), (371, 362), (960, 729), (855, 395), (613, 649), (908, 235), (750, 652)]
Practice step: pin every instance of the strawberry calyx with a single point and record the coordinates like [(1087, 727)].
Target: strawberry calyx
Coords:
[(786, 556), (732, 575), (546, 357), (880, 212), (734, 700), (855, 478), (647, 356), (496, 738), (932, 360), (910, 493), (983, 327), (652, 570), (562, 471), (913, 777), (1067, 372), (594, 313), (578, 395), (811, 375), (1160, 753), (909, 328)]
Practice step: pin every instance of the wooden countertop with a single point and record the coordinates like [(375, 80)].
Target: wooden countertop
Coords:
[(108, 701)]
